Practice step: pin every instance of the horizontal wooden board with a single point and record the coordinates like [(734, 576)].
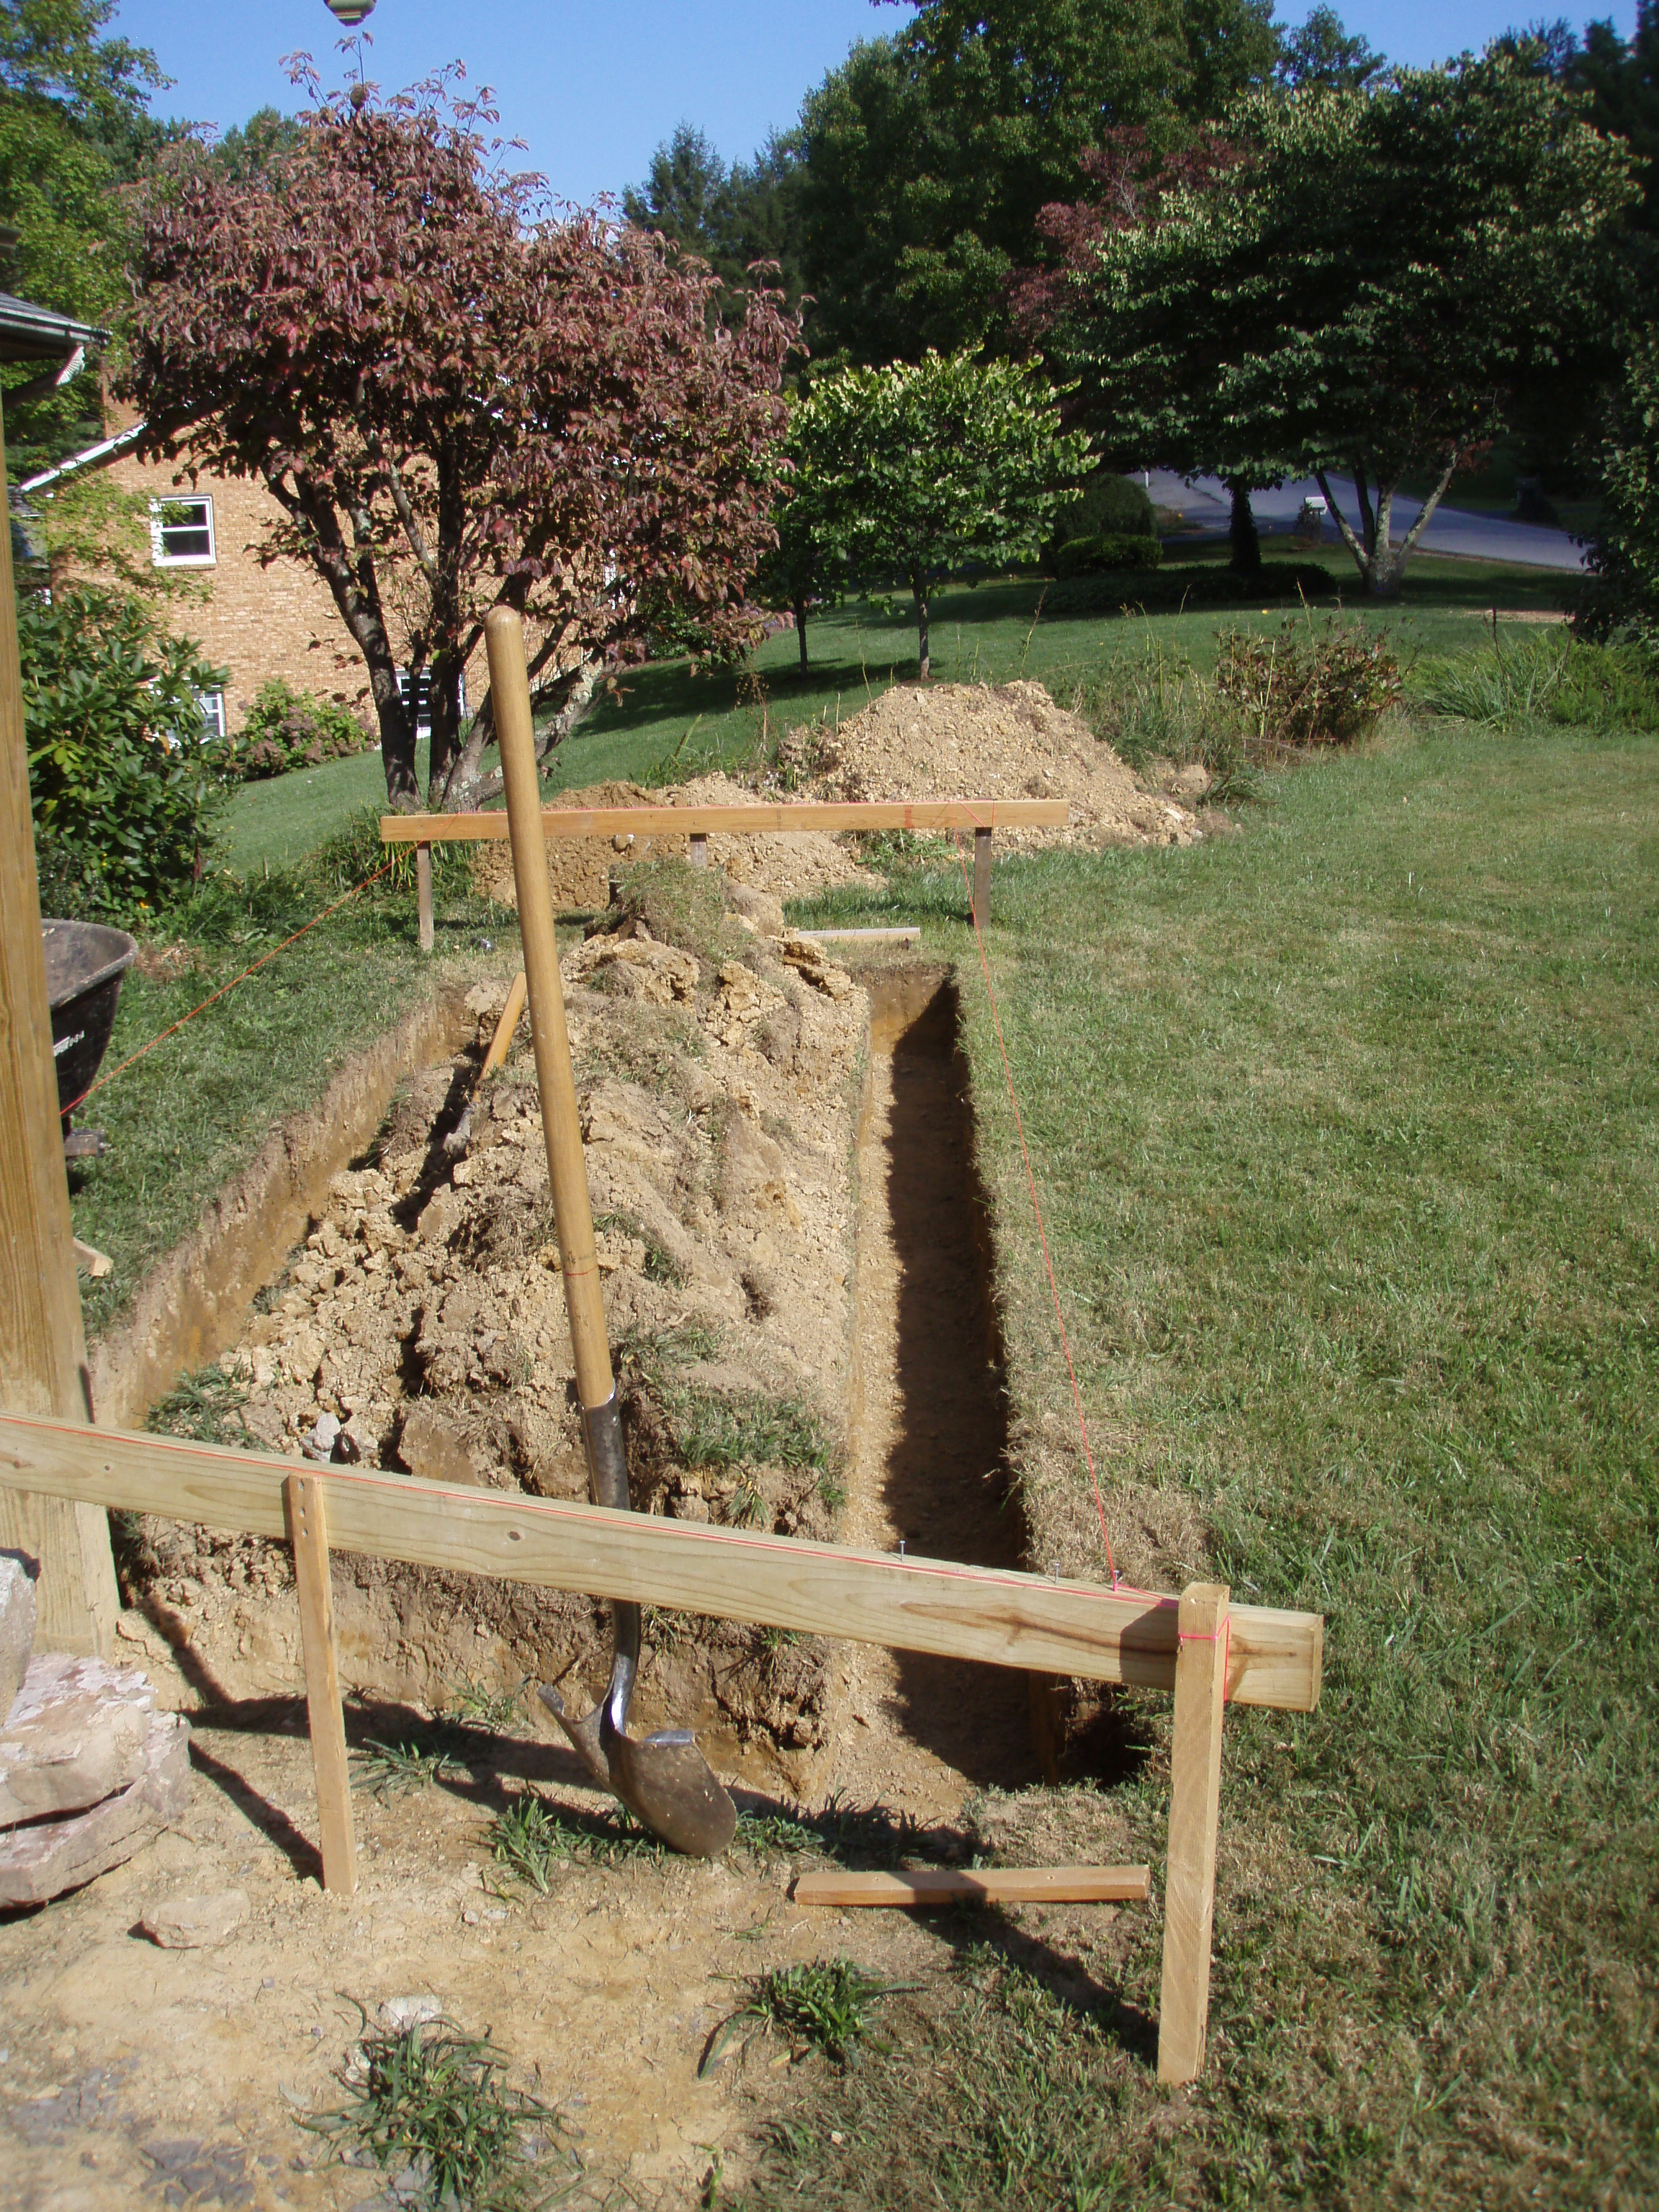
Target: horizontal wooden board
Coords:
[(746, 821), (906, 1604), (1065, 1885)]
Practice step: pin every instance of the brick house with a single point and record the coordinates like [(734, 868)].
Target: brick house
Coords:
[(255, 623)]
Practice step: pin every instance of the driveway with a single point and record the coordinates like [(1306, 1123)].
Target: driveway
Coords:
[(1477, 537)]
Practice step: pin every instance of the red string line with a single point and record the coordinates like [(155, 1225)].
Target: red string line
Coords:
[(1043, 1234), (110, 1074)]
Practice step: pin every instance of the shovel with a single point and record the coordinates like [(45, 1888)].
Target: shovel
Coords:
[(663, 1779)]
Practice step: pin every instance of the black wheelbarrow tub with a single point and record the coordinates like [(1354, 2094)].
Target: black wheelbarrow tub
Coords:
[(85, 962)]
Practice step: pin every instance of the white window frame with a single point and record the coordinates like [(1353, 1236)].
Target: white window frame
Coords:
[(212, 704), (159, 557)]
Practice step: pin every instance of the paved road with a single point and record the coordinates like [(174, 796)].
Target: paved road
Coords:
[(1480, 536)]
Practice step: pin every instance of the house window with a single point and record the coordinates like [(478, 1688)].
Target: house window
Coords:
[(181, 533), (423, 710), (212, 704)]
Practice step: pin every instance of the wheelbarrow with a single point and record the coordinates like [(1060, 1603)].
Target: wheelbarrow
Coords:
[(85, 962)]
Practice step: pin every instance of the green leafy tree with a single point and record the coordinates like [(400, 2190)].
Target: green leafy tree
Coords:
[(926, 158), (74, 126), (123, 787), (730, 217), (1320, 50), (1367, 290), (924, 470), (1624, 598)]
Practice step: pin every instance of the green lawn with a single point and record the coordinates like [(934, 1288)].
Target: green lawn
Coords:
[(673, 720), (1348, 1130)]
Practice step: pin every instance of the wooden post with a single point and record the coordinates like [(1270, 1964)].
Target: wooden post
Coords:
[(423, 893), (509, 687), (1200, 1692), (501, 1044), (981, 878), (43, 1355), (307, 1528), (699, 849)]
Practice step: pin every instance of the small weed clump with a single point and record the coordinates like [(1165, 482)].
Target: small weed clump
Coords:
[(529, 1837), (825, 2006), (395, 1770), (205, 1406), (475, 1705), (431, 2099)]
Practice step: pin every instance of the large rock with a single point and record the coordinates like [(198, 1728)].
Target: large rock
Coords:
[(44, 1860), (75, 1734), (17, 1618)]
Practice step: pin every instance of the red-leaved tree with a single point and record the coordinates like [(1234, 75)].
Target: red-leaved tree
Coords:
[(459, 398)]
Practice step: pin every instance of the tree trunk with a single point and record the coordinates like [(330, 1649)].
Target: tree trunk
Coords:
[(444, 698), (919, 593), (396, 724), (800, 630), (1241, 532)]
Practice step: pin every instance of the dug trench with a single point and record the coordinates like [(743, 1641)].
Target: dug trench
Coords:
[(855, 1338)]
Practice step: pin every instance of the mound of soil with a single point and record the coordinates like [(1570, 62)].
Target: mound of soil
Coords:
[(1002, 741), (423, 1326)]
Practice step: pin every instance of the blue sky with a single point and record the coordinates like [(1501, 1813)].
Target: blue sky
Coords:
[(592, 90)]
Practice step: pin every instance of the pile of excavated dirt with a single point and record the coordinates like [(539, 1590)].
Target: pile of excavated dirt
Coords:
[(1002, 741), (580, 869), (423, 1326)]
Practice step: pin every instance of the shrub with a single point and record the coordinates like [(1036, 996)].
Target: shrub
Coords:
[(286, 729), (1622, 600), (1314, 685), (1547, 678), (121, 781), (1108, 550), (1106, 506), (1186, 584)]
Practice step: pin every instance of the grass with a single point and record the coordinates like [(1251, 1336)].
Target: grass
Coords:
[(824, 2006), (397, 1769), (192, 1114), (1347, 1131), (429, 2101), (672, 721)]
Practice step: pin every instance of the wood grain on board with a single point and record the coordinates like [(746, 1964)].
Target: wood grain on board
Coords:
[(913, 1604)]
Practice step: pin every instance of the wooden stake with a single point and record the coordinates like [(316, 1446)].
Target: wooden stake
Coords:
[(308, 1532), (42, 1355), (1201, 1691), (981, 878), (501, 1044), (699, 854), (509, 687), (931, 1886), (423, 893)]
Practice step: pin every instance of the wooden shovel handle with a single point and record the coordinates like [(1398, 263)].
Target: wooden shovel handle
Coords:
[(509, 689)]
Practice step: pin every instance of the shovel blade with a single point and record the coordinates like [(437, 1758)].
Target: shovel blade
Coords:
[(666, 1783)]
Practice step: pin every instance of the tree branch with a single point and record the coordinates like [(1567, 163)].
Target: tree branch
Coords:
[(1342, 522), (1408, 543)]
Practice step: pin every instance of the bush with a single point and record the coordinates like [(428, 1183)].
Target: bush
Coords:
[(1314, 685), (1108, 551), (121, 781), (286, 729), (1184, 584), (1107, 506), (1546, 677), (1622, 600)]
